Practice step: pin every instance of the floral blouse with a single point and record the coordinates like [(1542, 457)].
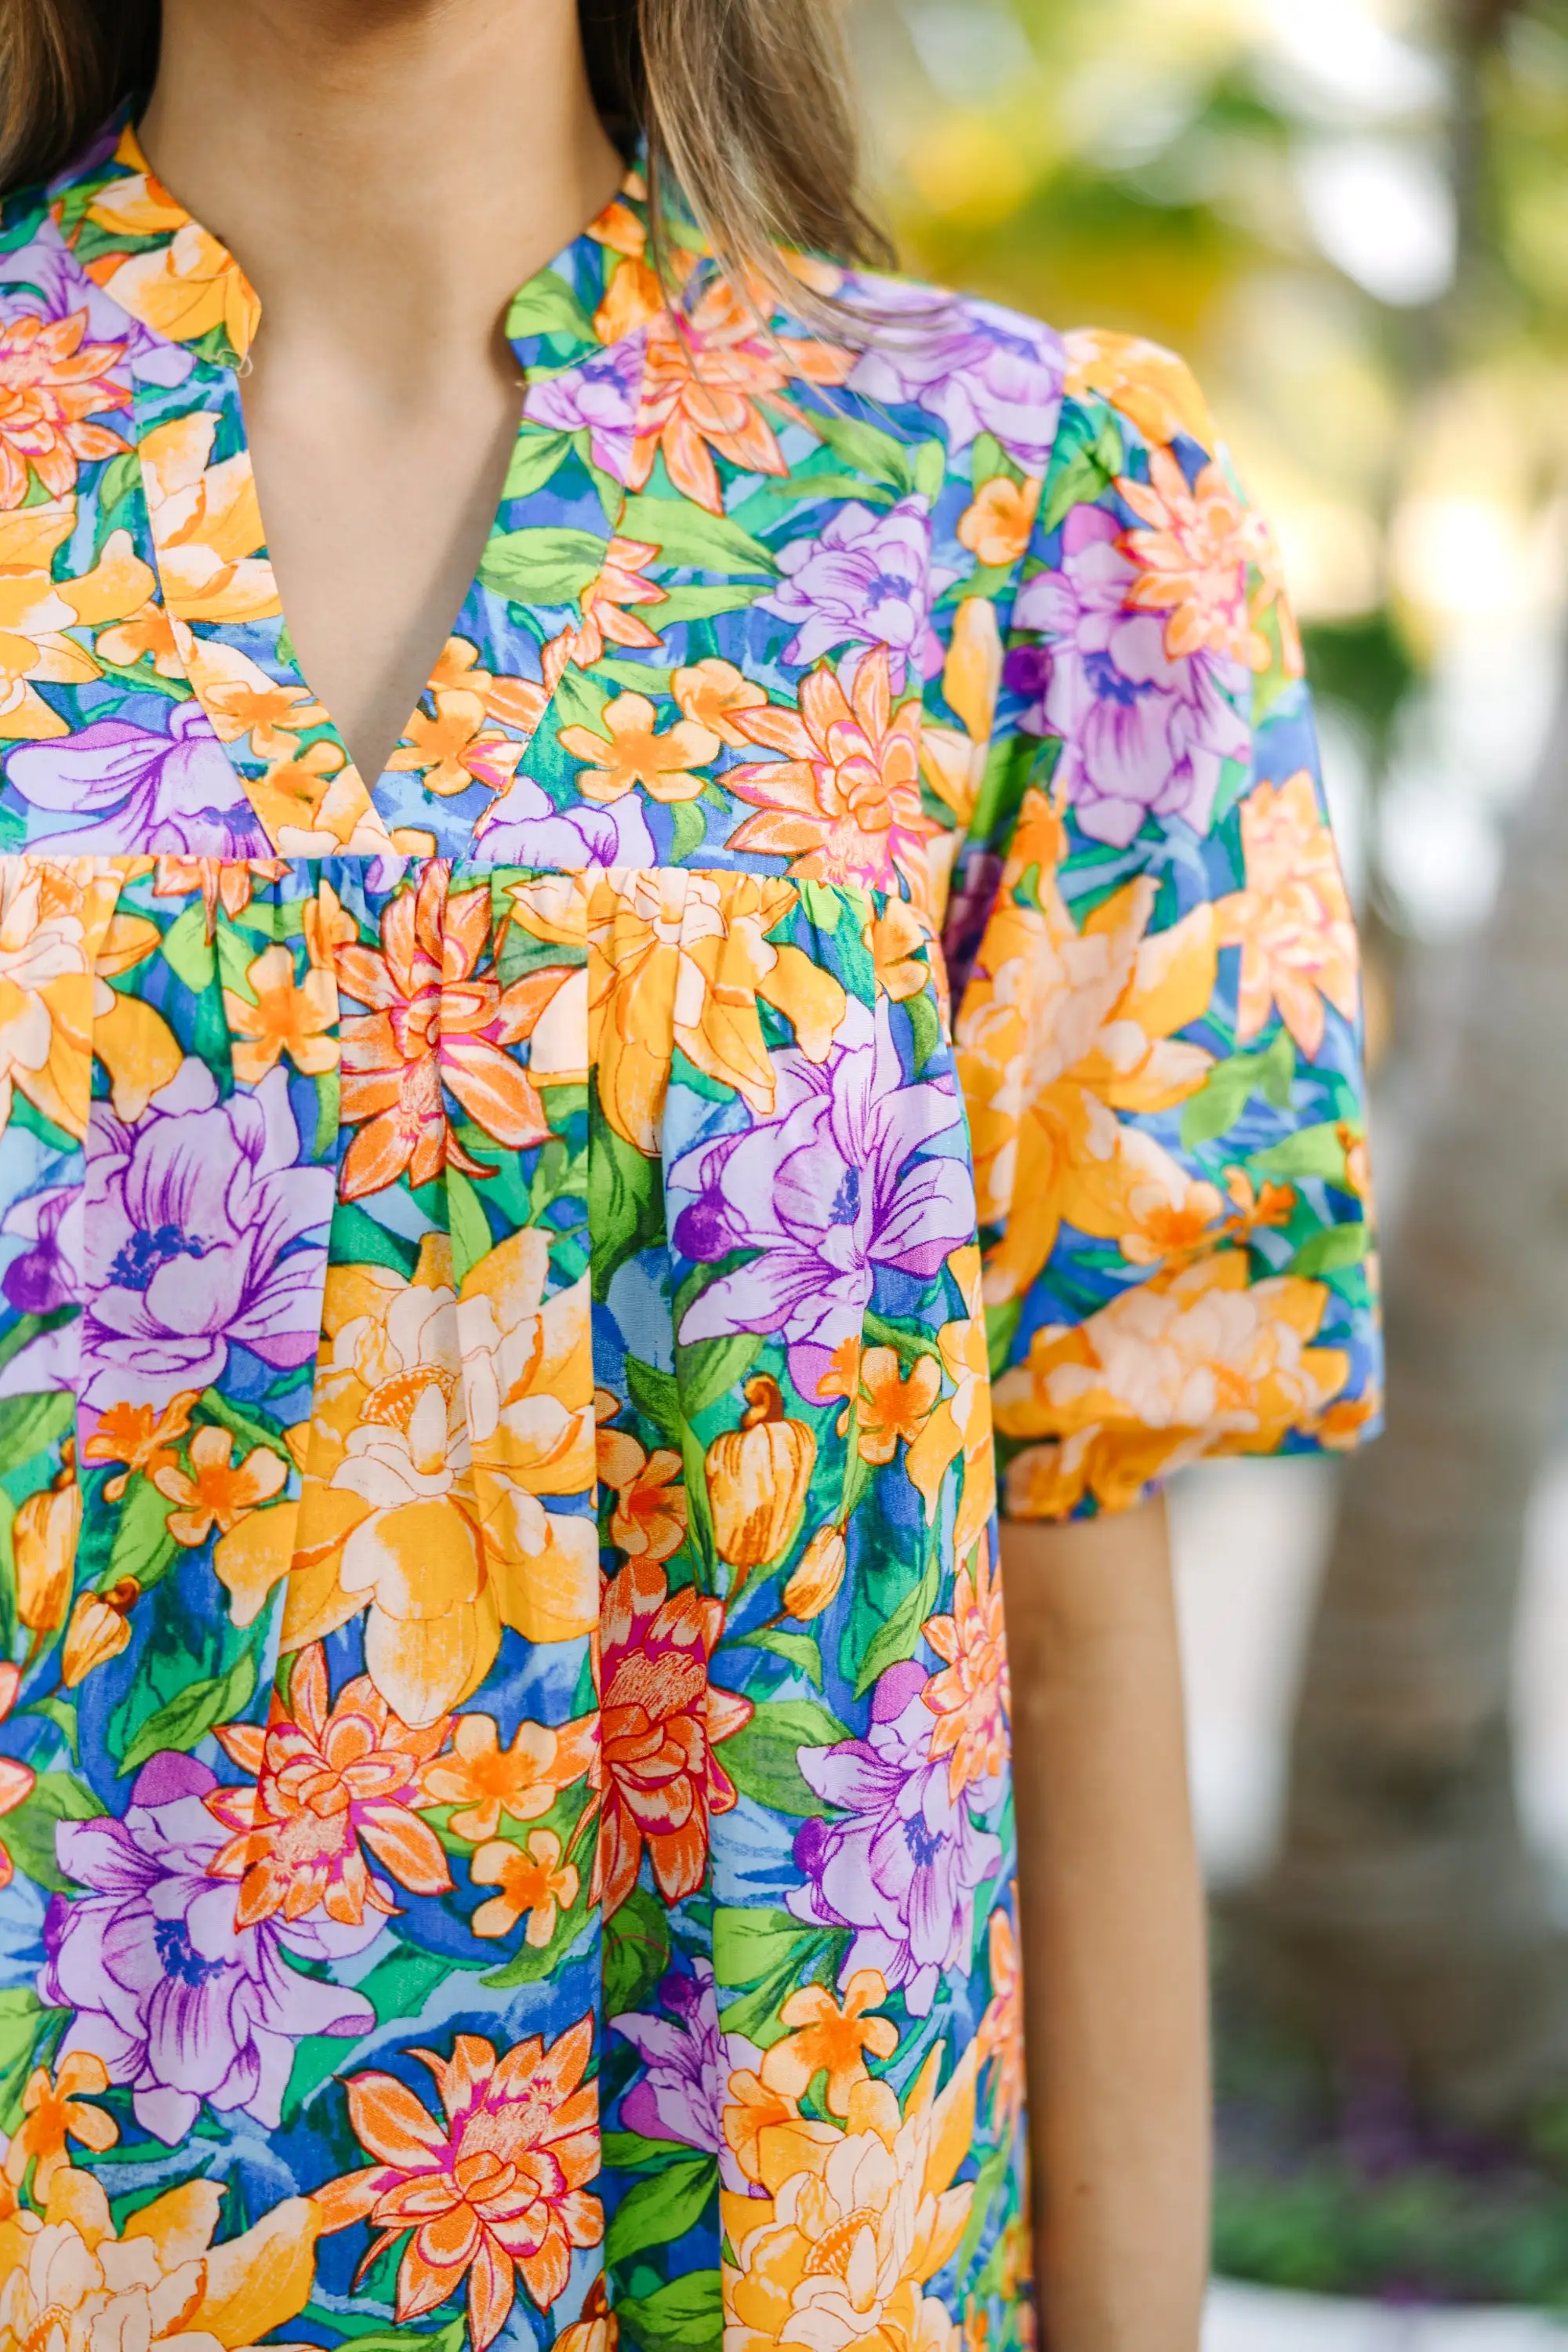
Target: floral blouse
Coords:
[(519, 1275)]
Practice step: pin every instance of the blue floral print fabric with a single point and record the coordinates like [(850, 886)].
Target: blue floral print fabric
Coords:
[(518, 1278)]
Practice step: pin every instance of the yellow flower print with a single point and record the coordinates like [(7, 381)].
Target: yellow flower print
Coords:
[(217, 1491), (632, 752), (241, 699), (680, 959), (184, 286), (961, 1423), (56, 2110), (56, 921), (1199, 1362), (72, 2282), (297, 1018), (953, 759), (1292, 922), (710, 694), (899, 939), (534, 1885), (206, 523), (649, 1521), (446, 1419), (436, 744), (100, 1629), (44, 1537), (1157, 391), (828, 2037), (1061, 1031), (891, 1406), (853, 2224), (483, 1780), (36, 610), (996, 525)]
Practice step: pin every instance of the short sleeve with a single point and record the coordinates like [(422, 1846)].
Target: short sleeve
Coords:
[(1157, 1001)]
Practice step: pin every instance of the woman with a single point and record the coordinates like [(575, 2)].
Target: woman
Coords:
[(506, 1776)]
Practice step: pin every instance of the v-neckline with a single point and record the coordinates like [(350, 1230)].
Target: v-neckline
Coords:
[(195, 256)]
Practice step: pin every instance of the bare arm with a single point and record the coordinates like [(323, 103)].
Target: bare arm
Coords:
[(1112, 1923)]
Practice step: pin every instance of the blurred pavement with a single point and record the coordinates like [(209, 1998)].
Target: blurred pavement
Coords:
[(1250, 2319)]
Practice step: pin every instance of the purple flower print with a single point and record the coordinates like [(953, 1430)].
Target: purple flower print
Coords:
[(177, 793), (1143, 735), (976, 367), (682, 2093), (172, 1996), (523, 827), (867, 580), (49, 1275), (903, 1866), (45, 280), (601, 397), (827, 1190), (201, 1229)]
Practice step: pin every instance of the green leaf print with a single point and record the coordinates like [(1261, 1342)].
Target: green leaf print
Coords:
[(657, 1397), (687, 2316), (626, 1202), (187, 1719), (761, 1955), (689, 538), (29, 1832), (657, 2211), (762, 1757), (187, 950), (637, 1951), (34, 1424), (800, 1650), (1230, 1086), (541, 566), (1088, 456), (711, 1369), (469, 1227), (1310, 1151), (144, 1547), (898, 1637), (1332, 1250), (25, 2024), (537, 458)]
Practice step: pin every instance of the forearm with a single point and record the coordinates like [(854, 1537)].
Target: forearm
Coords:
[(1111, 1908)]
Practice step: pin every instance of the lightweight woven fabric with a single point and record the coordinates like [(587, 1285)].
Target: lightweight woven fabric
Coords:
[(517, 1277)]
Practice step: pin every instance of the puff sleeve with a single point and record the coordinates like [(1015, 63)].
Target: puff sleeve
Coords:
[(1157, 1003)]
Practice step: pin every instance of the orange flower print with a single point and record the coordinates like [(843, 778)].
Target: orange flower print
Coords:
[(969, 1696), (661, 1719), (534, 1882), (51, 383), (1292, 922), (1001, 2035), (438, 743), (705, 374), (16, 1781), (843, 803), (290, 1016), (54, 2112), (142, 1437), (217, 1491), (892, 1407), (825, 2037), (649, 1519), (330, 1781), (713, 693), (436, 1024), (223, 882), (483, 1780), (606, 601), (1152, 387), (995, 529), (1192, 561), (631, 751), (492, 2189)]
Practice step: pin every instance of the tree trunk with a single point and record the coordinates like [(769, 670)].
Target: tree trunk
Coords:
[(1405, 1923)]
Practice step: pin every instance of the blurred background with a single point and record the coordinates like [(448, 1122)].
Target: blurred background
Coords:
[(1352, 217)]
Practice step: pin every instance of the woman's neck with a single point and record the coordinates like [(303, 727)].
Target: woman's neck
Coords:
[(387, 172)]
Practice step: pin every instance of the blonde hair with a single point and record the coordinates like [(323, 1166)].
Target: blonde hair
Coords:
[(744, 107)]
